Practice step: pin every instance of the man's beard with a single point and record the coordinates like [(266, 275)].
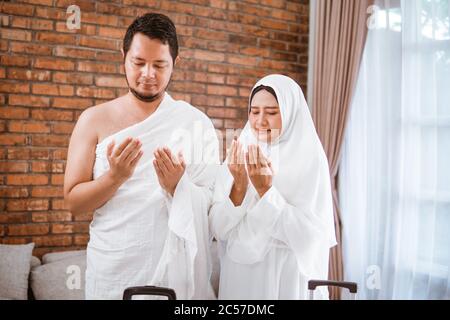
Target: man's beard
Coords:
[(145, 98)]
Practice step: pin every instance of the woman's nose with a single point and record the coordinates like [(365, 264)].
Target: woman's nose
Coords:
[(262, 119)]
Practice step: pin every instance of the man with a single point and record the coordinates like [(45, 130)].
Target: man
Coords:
[(128, 162)]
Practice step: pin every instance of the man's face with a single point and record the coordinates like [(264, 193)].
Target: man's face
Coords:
[(148, 67)]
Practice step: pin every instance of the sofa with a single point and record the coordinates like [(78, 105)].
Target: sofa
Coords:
[(57, 276)]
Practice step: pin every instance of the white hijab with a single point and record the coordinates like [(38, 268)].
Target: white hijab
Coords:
[(301, 172)]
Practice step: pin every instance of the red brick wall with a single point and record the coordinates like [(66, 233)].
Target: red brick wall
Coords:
[(49, 74)]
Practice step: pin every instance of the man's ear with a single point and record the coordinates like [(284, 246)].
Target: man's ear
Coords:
[(177, 59), (123, 54)]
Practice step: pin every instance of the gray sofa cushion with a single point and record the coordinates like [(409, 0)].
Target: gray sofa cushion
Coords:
[(15, 263), (35, 262), (56, 256), (60, 280)]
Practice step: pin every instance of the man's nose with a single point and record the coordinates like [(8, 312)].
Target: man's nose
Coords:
[(149, 71)]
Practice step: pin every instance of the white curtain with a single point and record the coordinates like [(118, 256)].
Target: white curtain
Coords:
[(394, 177)]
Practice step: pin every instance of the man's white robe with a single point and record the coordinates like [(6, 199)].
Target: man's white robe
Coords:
[(142, 235)]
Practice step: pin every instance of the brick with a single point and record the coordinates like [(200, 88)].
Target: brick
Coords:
[(50, 13), (40, 154), (29, 101), (60, 154), (13, 192), (78, 53), (95, 92), (50, 140), (118, 10), (54, 64), (30, 48), (93, 42), (243, 60), (63, 127), (24, 74), (110, 81), (73, 78), (24, 179), (14, 113), (27, 205), (109, 56), (18, 153), (223, 113), (57, 179), (27, 229), (47, 192), (234, 123), (209, 56), (273, 3), (58, 204), (57, 115), (52, 89), (236, 102), (28, 127), (221, 90), (85, 29), (29, 23), (17, 9), (53, 216), (72, 103), (114, 33), (56, 38), (15, 240), (274, 24), (87, 216), (14, 87), (100, 19), (88, 66), (14, 217), (12, 139), (8, 166), (53, 240), (81, 239), (17, 61), (16, 34), (62, 228)]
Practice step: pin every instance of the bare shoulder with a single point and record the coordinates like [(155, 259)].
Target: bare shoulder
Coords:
[(94, 119)]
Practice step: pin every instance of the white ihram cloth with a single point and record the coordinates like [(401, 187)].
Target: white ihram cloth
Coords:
[(143, 236), (271, 246)]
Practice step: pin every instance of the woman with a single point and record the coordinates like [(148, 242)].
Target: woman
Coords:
[(272, 212)]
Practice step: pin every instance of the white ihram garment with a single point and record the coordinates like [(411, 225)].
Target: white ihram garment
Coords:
[(143, 236), (271, 246)]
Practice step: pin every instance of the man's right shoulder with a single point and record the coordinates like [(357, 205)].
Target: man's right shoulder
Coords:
[(94, 114)]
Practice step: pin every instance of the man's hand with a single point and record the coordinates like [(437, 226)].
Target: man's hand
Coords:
[(124, 158), (259, 170), (169, 169)]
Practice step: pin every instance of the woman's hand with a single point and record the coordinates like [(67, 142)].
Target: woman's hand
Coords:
[(168, 168), (259, 170), (236, 165), (123, 160)]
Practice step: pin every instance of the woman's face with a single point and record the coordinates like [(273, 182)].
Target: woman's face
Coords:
[(265, 117)]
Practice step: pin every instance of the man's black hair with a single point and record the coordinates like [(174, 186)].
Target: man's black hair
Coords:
[(155, 26)]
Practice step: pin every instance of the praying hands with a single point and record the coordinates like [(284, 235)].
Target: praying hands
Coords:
[(169, 168), (253, 166)]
